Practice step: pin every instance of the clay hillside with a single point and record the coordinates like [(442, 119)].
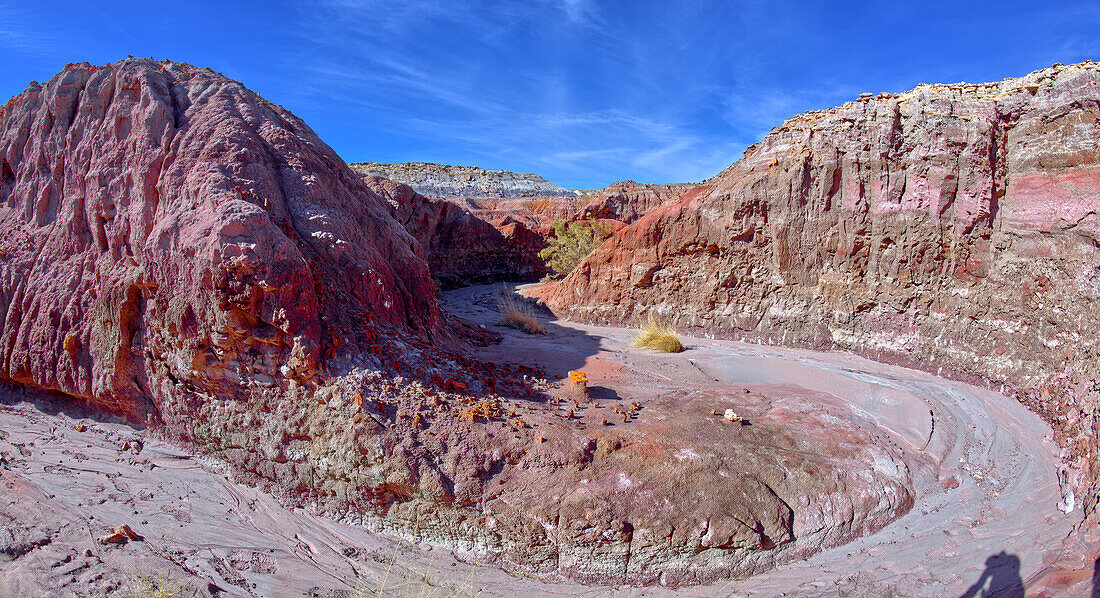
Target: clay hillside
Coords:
[(952, 228), (166, 228), (479, 226), (498, 194)]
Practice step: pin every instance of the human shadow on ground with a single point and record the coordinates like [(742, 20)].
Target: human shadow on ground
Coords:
[(1002, 573)]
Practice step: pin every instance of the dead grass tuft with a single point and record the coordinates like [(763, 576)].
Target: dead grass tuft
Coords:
[(145, 585), (518, 315), (659, 337)]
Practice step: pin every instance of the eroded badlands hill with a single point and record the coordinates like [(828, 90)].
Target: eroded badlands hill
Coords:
[(951, 227), (167, 229), (627, 201), (461, 246), (480, 226)]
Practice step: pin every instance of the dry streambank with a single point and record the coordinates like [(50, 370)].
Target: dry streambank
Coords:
[(953, 228), (982, 470)]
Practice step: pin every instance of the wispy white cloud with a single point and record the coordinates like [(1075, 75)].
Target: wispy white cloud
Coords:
[(432, 72), (572, 157), (18, 33), (582, 12)]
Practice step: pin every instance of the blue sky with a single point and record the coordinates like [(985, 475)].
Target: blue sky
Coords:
[(583, 92)]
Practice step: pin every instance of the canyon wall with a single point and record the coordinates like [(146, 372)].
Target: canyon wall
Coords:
[(953, 228), (627, 201), (166, 228), (180, 251), (461, 247)]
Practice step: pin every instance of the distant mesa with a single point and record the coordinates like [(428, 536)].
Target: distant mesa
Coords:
[(464, 181)]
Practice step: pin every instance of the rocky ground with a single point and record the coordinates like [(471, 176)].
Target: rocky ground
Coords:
[(980, 470)]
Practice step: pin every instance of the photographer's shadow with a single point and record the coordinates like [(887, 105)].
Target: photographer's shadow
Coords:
[(1002, 574)]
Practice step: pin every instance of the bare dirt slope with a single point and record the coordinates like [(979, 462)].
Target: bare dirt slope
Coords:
[(983, 470)]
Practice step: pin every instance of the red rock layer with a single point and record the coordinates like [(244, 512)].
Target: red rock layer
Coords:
[(627, 201), (461, 247), (165, 226), (951, 227)]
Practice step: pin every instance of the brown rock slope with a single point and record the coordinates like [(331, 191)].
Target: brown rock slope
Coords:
[(951, 227), (167, 229), (461, 247), (627, 201)]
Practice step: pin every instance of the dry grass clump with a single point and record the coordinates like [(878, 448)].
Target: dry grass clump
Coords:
[(518, 315), (659, 337), (144, 585)]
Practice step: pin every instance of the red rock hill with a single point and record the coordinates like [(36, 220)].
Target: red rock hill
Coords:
[(163, 226)]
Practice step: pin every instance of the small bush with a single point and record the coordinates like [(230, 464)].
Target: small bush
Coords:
[(571, 243), (146, 586), (659, 337), (518, 315)]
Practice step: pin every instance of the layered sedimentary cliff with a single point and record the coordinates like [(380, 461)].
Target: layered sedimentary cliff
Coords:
[(464, 181), (952, 227), (166, 228), (479, 226), (627, 201), (461, 247)]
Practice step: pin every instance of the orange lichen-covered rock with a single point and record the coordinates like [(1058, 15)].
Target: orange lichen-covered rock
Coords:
[(577, 385), (119, 535), (72, 343)]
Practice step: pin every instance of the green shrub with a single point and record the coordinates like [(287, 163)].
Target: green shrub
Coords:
[(572, 241)]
